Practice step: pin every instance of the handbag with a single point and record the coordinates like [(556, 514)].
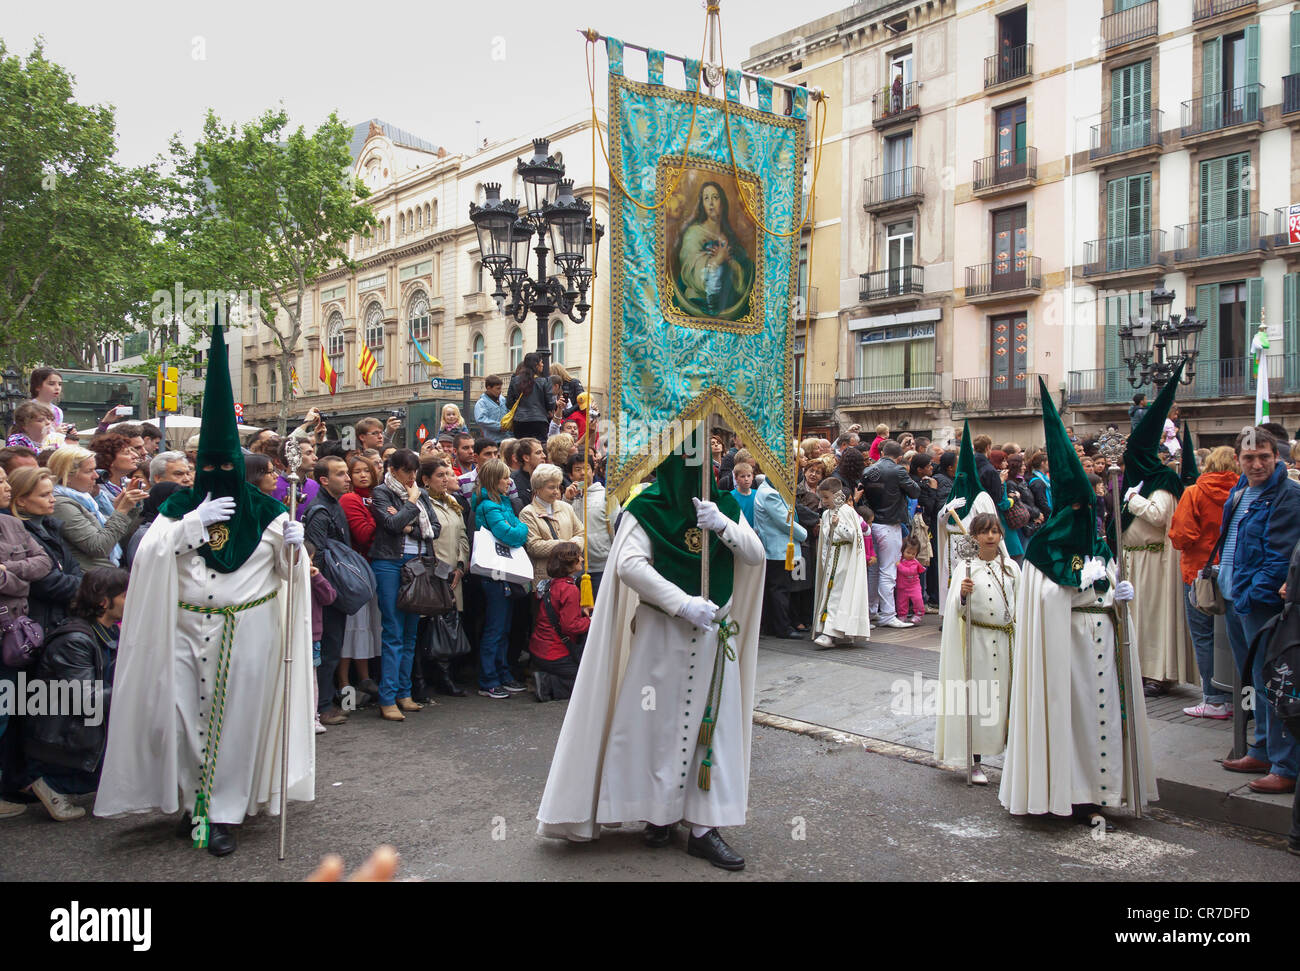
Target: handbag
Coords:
[(422, 591), (446, 638), (508, 419), (347, 570), (1206, 593), (21, 639), (499, 561), (1018, 515)]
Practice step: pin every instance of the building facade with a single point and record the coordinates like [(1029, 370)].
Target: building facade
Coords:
[(421, 280)]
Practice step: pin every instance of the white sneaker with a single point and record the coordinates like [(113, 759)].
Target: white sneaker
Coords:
[(895, 622), (1203, 710), (8, 809), (56, 804), (977, 777), (822, 640), (320, 729)]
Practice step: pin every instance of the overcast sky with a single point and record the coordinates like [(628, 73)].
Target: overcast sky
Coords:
[(434, 68)]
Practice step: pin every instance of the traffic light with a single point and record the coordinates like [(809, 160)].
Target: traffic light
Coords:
[(166, 390)]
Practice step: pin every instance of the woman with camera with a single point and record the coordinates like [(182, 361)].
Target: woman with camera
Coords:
[(95, 538)]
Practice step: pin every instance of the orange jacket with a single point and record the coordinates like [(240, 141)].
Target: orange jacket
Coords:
[(1195, 527)]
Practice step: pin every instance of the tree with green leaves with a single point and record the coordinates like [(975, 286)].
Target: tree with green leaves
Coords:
[(267, 213), (76, 239)]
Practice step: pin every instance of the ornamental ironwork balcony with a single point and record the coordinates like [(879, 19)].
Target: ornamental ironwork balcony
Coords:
[(1221, 237), (974, 396), (890, 106), (1207, 9), (900, 187), (894, 283), (1290, 94), (1011, 64), (1118, 254), (1222, 109), (1129, 134), (879, 390), (990, 280), (1006, 170), (1126, 26)]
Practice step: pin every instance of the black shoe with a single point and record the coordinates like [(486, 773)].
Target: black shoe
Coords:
[(658, 836), (792, 635), (221, 839), (185, 827), (442, 682), (712, 847)]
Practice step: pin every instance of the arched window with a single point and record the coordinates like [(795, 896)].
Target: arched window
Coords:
[(419, 329), (334, 344), (557, 342), (477, 358), (516, 347), (419, 217), (401, 224), (375, 341), (478, 276), (271, 380), (252, 387), (431, 212)]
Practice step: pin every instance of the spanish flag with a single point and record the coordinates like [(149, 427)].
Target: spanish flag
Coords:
[(328, 376), (429, 360), (367, 364)]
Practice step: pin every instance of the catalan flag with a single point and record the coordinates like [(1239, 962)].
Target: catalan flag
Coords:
[(328, 376), (429, 360), (295, 386), (367, 364)]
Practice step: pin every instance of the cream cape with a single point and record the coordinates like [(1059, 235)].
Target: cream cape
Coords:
[(846, 603), (949, 534)]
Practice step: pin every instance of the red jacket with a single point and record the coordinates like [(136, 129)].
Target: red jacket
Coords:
[(1194, 530), (545, 643), (360, 522)]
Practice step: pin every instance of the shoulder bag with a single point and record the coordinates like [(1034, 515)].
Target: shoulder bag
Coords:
[(21, 639), (499, 561)]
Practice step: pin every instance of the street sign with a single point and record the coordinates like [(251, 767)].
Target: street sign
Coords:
[(239, 410), (422, 433), (447, 384), (1293, 224)]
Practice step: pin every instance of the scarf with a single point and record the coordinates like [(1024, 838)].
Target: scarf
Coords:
[(426, 527), (88, 502)]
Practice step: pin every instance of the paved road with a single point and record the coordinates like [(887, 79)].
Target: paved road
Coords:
[(455, 788)]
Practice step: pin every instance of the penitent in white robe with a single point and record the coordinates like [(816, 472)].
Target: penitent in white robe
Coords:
[(627, 751), (841, 558), (167, 659), (948, 537), (1163, 641), (991, 660), (1065, 741)]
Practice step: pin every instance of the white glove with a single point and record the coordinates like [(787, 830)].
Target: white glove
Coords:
[(1123, 591), (698, 611), (1133, 491), (709, 516), (957, 504), (215, 510), (293, 534)]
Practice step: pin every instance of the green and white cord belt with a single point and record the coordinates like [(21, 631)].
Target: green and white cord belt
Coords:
[(217, 710), (727, 629)]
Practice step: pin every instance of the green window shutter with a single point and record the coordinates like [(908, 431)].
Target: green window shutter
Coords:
[(1251, 99), (1254, 305), (1115, 209), (1116, 376), (1207, 364), (1295, 42), (1291, 329), (1211, 107), (1211, 236)]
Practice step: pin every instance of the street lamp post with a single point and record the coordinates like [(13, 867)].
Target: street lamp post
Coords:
[(11, 393), (1153, 347), (556, 218)]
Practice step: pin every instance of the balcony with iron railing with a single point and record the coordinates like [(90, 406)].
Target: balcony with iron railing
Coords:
[(995, 395), (1004, 279), (816, 399), (1291, 96), (1215, 378), (891, 190), (1206, 117), (899, 283), (1243, 235), (890, 106), (1127, 26), (1007, 171), (806, 303), (1124, 138), (1209, 9), (1114, 255), (1012, 65), (884, 390)]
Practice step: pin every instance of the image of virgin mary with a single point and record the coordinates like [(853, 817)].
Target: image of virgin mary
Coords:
[(715, 275)]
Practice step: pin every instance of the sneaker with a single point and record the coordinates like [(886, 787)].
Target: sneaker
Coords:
[(8, 809), (1203, 710), (514, 687), (497, 693), (56, 804), (333, 717), (320, 729), (895, 622)]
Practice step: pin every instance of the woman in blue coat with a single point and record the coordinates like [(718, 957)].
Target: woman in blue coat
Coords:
[(492, 509)]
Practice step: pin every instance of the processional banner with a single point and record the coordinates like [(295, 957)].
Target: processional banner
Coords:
[(706, 203)]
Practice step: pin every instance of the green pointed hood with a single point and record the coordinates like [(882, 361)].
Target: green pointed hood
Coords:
[(1188, 472), (232, 542), (665, 511), (966, 483), (1069, 537), (1141, 454)]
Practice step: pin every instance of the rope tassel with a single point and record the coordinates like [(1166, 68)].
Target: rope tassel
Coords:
[(585, 597), (706, 772), (789, 557), (706, 728)]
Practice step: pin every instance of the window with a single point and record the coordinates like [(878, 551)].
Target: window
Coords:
[(895, 358), (1008, 357), (1130, 107), (374, 334), (898, 248), (898, 167), (1128, 222), (1011, 137), (557, 342), (271, 381), (431, 213), (478, 355), (477, 280), (334, 343), (1010, 249), (901, 64), (1225, 206), (419, 328), (516, 345), (252, 387), (1231, 311), (799, 345), (1230, 91), (401, 224), (1013, 37)]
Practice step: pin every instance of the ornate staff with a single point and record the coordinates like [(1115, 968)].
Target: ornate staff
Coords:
[(293, 459), (966, 549), (1112, 447)]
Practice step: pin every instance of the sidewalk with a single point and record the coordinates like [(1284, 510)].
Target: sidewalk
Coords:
[(868, 691)]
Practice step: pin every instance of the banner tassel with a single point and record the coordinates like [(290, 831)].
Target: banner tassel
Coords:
[(585, 597), (789, 557)]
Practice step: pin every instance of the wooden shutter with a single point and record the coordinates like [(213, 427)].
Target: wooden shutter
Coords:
[(1139, 219), (1115, 375), (1116, 242), (1207, 363), (1291, 329), (1211, 106), (1295, 42), (1210, 232), (1251, 94)]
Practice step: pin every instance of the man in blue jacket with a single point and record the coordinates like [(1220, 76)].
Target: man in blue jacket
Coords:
[(772, 523), (1261, 527)]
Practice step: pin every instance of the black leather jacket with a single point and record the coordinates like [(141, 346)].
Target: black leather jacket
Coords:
[(75, 653), (895, 488), (48, 598), (390, 528)]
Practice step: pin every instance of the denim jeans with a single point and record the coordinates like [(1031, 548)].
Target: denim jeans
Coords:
[(1273, 743), (399, 632), (1201, 627), (497, 612)]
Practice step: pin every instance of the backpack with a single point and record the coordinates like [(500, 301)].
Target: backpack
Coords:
[(345, 568)]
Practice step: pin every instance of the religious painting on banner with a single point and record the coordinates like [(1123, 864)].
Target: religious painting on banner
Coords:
[(705, 213)]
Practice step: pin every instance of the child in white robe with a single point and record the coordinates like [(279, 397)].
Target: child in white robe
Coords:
[(840, 610)]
